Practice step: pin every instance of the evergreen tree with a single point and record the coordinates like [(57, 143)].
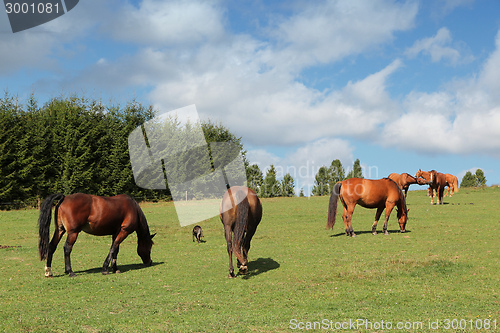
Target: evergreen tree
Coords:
[(480, 178), (255, 178), (271, 187), (469, 180), (10, 132), (336, 173), (321, 182), (357, 171), (288, 186), (32, 146), (301, 193)]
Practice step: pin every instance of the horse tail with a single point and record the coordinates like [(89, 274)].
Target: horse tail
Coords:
[(44, 222), (332, 207), (242, 209), (455, 184)]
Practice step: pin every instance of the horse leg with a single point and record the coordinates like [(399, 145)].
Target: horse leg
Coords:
[(439, 194), (388, 210), (229, 242), (58, 233), (246, 247), (68, 246), (377, 217), (348, 219), (114, 268), (113, 253), (431, 193)]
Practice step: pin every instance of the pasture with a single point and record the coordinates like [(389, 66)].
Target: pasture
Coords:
[(446, 266)]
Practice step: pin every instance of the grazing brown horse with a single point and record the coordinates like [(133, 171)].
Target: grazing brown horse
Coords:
[(404, 181), (381, 194), (437, 182), (452, 183), (117, 216), (240, 213)]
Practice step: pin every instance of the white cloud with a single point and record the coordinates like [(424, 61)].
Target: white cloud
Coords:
[(465, 118), (327, 31), (438, 48), (165, 23)]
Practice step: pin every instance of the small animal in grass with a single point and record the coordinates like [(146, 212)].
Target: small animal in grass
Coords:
[(197, 233)]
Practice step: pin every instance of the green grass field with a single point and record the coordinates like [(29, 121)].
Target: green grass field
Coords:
[(446, 267)]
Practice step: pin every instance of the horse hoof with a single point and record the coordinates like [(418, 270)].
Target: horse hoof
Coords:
[(386, 233), (374, 233), (117, 271), (71, 274), (231, 276), (105, 272)]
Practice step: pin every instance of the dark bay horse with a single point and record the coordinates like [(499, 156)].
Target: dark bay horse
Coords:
[(381, 194), (117, 216), (452, 183), (404, 181), (437, 182), (240, 213)]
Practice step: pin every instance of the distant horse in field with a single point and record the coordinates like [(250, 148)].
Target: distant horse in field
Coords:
[(240, 213), (437, 182), (381, 194), (404, 181), (452, 183), (117, 216)]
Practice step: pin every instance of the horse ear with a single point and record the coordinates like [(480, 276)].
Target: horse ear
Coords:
[(151, 236)]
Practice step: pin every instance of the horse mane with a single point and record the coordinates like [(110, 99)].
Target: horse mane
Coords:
[(142, 227)]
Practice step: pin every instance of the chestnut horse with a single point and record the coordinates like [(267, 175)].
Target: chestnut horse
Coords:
[(381, 194), (437, 182), (240, 213), (452, 183), (404, 181), (117, 216)]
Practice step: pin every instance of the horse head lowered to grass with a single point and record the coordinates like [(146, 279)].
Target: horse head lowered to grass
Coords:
[(117, 216)]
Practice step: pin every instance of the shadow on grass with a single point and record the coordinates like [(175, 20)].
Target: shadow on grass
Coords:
[(260, 266), (121, 268), (379, 232)]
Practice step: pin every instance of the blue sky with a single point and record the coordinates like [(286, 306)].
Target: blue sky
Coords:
[(401, 85)]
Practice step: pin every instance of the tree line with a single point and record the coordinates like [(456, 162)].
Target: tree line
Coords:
[(74, 144), (326, 177)]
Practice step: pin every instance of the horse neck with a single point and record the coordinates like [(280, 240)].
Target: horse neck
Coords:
[(403, 204), (142, 230)]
